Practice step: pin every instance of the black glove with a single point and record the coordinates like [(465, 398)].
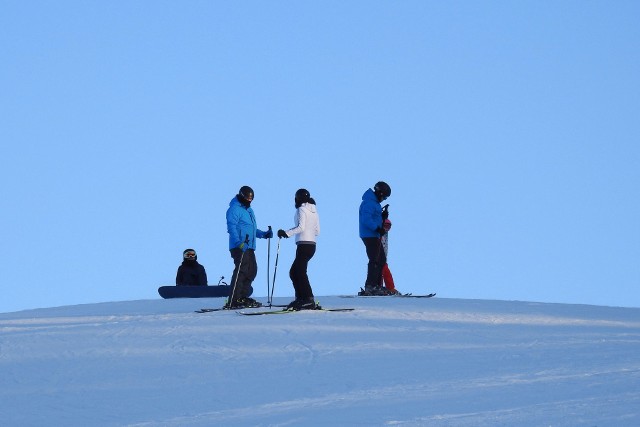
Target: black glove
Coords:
[(282, 233), (268, 234), (385, 212), (381, 231)]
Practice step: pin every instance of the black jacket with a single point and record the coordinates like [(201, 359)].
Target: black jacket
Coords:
[(191, 273)]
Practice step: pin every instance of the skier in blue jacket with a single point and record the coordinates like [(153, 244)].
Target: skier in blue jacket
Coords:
[(243, 231), (372, 216)]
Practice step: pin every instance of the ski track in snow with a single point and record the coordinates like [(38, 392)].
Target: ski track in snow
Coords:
[(580, 409), (406, 363)]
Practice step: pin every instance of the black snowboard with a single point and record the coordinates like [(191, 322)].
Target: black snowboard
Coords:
[(194, 291)]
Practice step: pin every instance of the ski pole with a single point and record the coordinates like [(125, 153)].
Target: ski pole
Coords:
[(235, 282), (268, 262), (275, 270)]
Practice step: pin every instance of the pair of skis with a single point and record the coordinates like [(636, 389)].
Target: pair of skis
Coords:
[(211, 310), (431, 295), (259, 313)]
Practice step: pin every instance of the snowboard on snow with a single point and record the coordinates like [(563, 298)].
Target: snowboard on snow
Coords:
[(194, 291)]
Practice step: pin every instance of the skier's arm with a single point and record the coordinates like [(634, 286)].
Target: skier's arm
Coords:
[(203, 278), (371, 219), (233, 229), (264, 234), (179, 276), (302, 223)]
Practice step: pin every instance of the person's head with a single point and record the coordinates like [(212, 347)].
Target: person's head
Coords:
[(245, 195), (386, 225), (189, 255), (302, 196), (382, 191)]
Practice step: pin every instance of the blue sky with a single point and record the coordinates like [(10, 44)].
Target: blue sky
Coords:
[(508, 131)]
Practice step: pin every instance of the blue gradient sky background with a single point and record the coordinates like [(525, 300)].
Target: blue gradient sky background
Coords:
[(508, 131)]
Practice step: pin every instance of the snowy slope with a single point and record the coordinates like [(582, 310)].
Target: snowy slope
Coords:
[(398, 362)]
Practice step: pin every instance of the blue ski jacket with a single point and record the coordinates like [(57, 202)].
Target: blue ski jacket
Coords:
[(370, 215), (242, 222)]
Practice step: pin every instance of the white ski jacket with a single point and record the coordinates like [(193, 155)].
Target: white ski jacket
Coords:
[(307, 224)]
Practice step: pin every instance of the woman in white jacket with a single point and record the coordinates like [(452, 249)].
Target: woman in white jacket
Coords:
[(306, 230)]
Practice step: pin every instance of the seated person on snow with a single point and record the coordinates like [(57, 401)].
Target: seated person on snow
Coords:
[(190, 272)]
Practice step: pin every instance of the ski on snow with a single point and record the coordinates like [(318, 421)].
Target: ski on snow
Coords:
[(259, 313), (392, 296), (211, 310), (431, 295)]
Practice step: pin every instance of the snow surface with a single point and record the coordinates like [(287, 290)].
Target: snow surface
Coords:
[(391, 362)]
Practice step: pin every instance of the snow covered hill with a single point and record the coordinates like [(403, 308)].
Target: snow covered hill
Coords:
[(390, 362)]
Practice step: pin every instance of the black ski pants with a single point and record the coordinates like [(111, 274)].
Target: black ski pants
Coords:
[(377, 260), (298, 271), (246, 269)]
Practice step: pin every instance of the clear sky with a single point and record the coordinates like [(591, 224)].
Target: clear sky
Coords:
[(509, 132)]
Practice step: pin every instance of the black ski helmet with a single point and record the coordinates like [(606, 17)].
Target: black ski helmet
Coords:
[(302, 196), (246, 193), (382, 190)]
